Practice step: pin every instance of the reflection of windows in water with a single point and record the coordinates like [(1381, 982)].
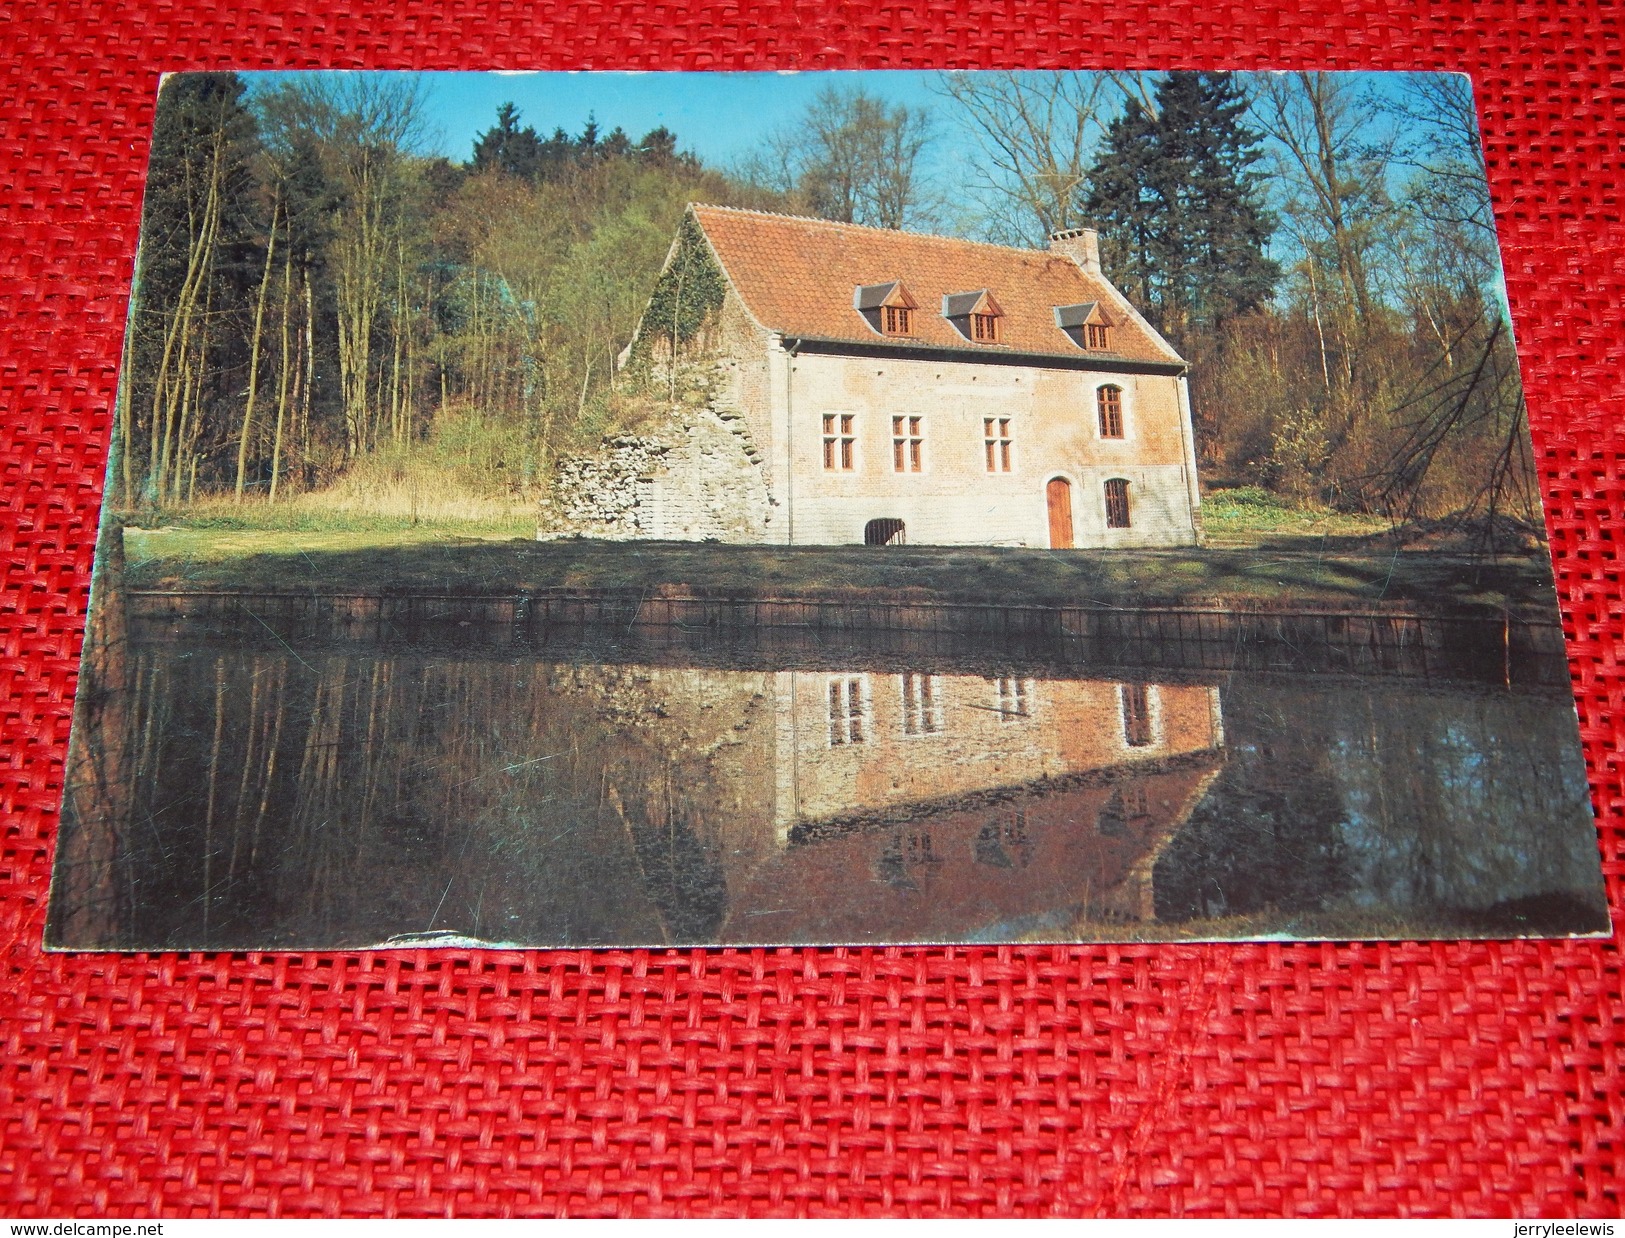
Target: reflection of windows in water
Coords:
[(1003, 841), (922, 705), (1012, 698), (1128, 805), (847, 711), (1136, 714), (905, 850)]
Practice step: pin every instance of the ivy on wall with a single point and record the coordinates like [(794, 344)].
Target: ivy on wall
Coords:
[(690, 290)]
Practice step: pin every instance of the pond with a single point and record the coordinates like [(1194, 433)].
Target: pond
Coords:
[(273, 785)]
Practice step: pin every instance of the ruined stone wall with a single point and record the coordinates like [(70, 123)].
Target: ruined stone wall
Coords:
[(598, 496), (704, 474), (743, 378), (698, 478), (712, 485)]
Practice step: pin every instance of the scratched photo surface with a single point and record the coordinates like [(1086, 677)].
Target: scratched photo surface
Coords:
[(691, 509)]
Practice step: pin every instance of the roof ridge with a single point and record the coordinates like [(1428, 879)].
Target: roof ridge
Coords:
[(835, 223)]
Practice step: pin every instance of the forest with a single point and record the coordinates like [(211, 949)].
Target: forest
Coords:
[(330, 317)]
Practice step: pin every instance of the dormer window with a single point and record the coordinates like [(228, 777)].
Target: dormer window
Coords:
[(975, 315), (1086, 325), (887, 308)]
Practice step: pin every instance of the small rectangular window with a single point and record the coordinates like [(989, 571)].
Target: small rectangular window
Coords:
[(1117, 513), (1096, 336), (996, 442), (896, 320), (1012, 698), (840, 442), (984, 328), (922, 705), (847, 712), (907, 444), (1136, 715)]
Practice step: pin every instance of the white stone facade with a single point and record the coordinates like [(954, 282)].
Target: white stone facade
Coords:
[(955, 498)]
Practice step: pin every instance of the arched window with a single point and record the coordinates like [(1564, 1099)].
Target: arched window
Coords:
[(1109, 404), (1117, 513)]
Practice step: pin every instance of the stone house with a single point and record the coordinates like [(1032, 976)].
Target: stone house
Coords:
[(869, 385)]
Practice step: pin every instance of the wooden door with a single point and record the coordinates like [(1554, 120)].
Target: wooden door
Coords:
[(1059, 494)]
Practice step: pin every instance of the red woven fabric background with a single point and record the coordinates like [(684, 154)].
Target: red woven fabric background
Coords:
[(1265, 1079)]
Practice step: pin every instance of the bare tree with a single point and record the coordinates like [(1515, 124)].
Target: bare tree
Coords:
[(172, 387), (851, 157), (1038, 133), (1444, 246), (364, 125), (1332, 173), (1439, 113), (254, 355)]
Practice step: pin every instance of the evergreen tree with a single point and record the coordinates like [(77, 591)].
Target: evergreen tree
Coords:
[(520, 152), (1126, 201), (507, 148), (658, 147), (1181, 208)]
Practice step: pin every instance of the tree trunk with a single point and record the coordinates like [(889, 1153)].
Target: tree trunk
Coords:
[(283, 374), (310, 372), (199, 260), (254, 359)]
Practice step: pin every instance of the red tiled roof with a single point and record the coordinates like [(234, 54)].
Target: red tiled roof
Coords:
[(797, 277)]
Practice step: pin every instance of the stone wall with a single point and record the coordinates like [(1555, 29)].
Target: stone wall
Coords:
[(698, 478), (599, 495), (1050, 419), (743, 376)]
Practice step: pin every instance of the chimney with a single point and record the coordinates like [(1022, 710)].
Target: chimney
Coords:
[(1082, 245)]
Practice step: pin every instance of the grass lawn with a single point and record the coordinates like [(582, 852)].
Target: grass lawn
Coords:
[(1247, 516), (1256, 564)]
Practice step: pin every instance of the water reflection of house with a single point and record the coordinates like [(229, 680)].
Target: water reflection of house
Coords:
[(921, 806), (849, 746)]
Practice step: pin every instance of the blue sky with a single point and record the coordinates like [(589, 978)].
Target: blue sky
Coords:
[(719, 116)]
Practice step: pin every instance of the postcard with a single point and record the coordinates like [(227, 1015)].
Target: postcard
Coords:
[(650, 510)]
